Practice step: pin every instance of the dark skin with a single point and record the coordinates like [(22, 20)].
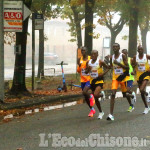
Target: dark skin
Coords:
[(96, 93), (142, 85), (85, 58), (116, 49), (129, 90)]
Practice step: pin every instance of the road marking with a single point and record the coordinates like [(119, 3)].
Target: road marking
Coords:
[(70, 104), (36, 110), (28, 112), (8, 116)]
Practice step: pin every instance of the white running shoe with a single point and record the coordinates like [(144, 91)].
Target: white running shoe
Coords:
[(100, 116), (133, 100), (110, 117), (146, 110), (101, 99)]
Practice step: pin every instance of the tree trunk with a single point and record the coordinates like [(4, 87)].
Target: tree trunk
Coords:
[(41, 54), (20, 62), (79, 34), (19, 86), (143, 36), (78, 26), (144, 33), (89, 4), (133, 26), (113, 39)]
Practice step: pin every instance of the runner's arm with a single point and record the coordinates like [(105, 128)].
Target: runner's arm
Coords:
[(133, 72), (148, 57), (88, 68), (79, 66), (133, 62), (102, 63), (111, 65)]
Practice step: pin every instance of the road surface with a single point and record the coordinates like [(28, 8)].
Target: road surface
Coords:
[(30, 132)]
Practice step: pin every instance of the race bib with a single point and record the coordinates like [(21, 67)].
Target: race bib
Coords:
[(141, 67), (94, 74), (118, 71)]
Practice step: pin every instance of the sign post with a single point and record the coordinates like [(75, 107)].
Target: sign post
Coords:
[(1, 53), (37, 24), (33, 49)]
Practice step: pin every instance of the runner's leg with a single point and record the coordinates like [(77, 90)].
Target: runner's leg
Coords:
[(142, 87), (97, 95)]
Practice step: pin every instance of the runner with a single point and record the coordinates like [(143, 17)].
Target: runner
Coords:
[(120, 76), (85, 78), (140, 62), (130, 83), (95, 68)]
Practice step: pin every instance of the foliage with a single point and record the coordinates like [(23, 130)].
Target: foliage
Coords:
[(49, 8), (67, 13)]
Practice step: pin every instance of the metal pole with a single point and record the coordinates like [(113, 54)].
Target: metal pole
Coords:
[(1, 52), (33, 50)]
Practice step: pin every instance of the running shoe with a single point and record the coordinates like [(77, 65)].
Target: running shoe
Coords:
[(92, 112), (100, 116), (110, 117), (131, 108), (146, 110), (133, 100), (92, 100)]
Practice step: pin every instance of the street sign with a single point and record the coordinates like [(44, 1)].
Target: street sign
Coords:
[(13, 16), (39, 22), (26, 12)]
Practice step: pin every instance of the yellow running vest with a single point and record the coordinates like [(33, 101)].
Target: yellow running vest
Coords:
[(117, 70), (142, 67)]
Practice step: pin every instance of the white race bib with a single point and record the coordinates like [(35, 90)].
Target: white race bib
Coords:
[(94, 74), (141, 67), (118, 71)]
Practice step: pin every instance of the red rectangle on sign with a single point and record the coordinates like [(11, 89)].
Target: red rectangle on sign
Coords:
[(13, 15)]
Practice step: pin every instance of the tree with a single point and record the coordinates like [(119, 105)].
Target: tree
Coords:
[(74, 11), (88, 42), (19, 85), (144, 29), (133, 8), (115, 28), (144, 21), (77, 22)]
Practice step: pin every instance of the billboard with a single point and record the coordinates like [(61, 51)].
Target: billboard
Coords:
[(13, 16)]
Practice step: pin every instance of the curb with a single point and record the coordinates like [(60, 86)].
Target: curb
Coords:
[(46, 108), (49, 100), (38, 101)]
